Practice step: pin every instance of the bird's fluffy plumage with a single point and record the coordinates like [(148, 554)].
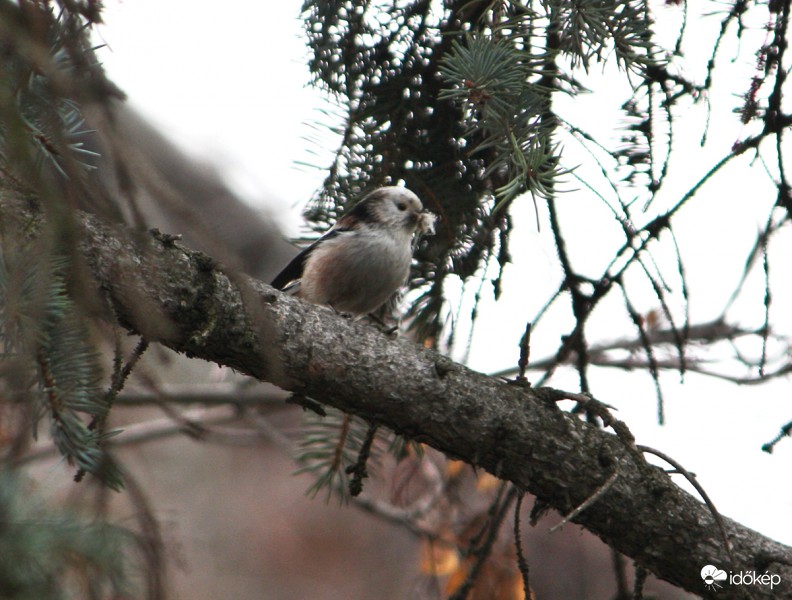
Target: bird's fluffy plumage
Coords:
[(365, 258)]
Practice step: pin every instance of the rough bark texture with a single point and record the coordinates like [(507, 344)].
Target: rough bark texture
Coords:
[(184, 300)]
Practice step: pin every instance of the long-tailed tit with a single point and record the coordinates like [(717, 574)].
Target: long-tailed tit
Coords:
[(359, 264)]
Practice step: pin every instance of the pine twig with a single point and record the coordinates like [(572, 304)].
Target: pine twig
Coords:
[(358, 470), (522, 562)]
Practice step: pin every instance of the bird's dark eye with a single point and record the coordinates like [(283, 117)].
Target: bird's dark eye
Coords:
[(401, 206)]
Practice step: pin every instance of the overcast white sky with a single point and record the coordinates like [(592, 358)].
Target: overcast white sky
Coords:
[(230, 85)]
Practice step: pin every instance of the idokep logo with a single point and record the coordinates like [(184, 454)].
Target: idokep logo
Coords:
[(715, 578), (712, 576)]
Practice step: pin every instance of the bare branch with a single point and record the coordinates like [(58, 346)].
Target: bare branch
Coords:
[(606, 354)]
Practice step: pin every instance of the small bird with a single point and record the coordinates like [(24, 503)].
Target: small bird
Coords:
[(359, 264)]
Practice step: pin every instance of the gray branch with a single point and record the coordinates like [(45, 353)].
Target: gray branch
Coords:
[(156, 287)]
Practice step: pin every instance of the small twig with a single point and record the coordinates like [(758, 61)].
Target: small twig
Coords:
[(691, 478), (539, 509), (525, 354), (587, 401), (190, 427), (150, 540), (522, 562), (210, 420), (640, 579), (597, 408), (588, 501), (358, 470), (786, 431), (767, 301), (343, 436), (120, 375), (620, 570), (491, 512), (649, 351), (226, 393), (307, 403), (498, 512)]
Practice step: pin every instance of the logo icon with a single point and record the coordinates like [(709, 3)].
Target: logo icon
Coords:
[(711, 576)]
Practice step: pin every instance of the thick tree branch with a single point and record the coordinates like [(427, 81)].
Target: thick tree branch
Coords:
[(155, 287)]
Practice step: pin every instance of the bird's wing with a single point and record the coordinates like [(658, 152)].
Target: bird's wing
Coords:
[(294, 270)]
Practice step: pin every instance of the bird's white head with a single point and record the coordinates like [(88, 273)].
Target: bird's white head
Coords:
[(390, 207)]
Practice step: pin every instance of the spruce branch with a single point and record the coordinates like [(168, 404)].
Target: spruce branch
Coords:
[(491, 80), (44, 335), (55, 554), (591, 30), (46, 60), (184, 300)]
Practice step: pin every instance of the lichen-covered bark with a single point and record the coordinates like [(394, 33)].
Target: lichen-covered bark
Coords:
[(184, 300)]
